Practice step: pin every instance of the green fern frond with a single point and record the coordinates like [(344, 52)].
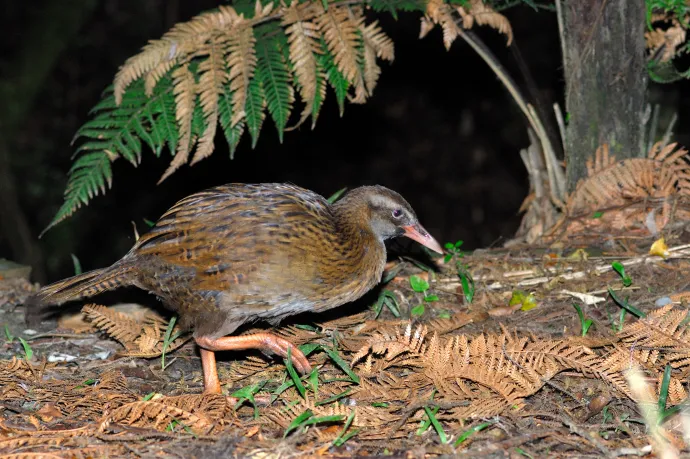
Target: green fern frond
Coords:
[(90, 175), (117, 131), (233, 134), (393, 6), (254, 108), (335, 78), (275, 75), (226, 67)]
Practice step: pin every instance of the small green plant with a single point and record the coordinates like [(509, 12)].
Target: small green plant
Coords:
[(88, 382), (453, 251), (307, 418), (334, 197), (431, 415), (620, 269), (387, 299), (469, 432), (665, 413), (443, 314), (419, 285), (584, 323), (344, 435), (9, 337), (168, 339), (624, 304), (28, 352), (246, 394), (77, 264), (293, 374), (467, 282)]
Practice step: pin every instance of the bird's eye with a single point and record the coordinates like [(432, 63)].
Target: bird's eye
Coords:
[(397, 213)]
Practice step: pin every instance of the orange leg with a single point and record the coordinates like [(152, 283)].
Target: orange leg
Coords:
[(267, 342), (210, 370)]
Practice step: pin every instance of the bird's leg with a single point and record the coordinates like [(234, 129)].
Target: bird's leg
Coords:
[(266, 342), (210, 370)]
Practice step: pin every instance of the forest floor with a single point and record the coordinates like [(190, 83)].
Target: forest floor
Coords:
[(475, 378)]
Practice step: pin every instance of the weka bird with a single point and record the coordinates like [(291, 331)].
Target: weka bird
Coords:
[(239, 253)]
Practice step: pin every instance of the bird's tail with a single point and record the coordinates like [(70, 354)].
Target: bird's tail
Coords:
[(75, 288)]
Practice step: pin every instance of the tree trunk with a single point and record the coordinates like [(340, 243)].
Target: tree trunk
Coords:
[(606, 80)]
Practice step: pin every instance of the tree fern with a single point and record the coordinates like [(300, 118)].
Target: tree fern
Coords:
[(274, 75), (227, 67)]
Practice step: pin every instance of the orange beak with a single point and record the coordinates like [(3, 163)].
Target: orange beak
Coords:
[(418, 233)]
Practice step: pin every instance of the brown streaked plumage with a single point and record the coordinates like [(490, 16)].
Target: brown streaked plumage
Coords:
[(239, 253)]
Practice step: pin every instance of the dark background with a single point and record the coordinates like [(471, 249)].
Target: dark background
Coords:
[(440, 129)]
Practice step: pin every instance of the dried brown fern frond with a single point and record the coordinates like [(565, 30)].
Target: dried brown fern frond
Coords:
[(117, 325), (662, 333), (157, 415), (483, 14), (139, 339), (364, 416), (664, 42), (302, 35), (212, 406), (339, 27), (475, 11), (393, 345), (666, 170)]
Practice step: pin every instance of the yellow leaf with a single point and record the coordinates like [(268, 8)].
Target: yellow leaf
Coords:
[(659, 248)]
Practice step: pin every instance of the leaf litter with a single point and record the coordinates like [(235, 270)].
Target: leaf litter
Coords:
[(565, 349)]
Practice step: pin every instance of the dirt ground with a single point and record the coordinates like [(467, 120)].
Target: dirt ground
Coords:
[(475, 379)]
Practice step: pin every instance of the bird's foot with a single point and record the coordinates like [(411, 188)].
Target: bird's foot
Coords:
[(264, 341)]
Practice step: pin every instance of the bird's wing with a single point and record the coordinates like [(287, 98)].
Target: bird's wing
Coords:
[(239, 234)]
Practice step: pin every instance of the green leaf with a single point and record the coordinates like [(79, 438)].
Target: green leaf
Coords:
[(431, 298), (467, 283), (469, 432), (437, 425), (624, 304), (334, 197), (168, 339), (254, 108), (394, 6), (308, 348), (233, 134), (388, 299), (88, 382), (584, 323), (597, 214), (77, 264), (418, 284), (298, 422), (274, 74), (417, 310), (344, 436), (443, 315), (663, 391), (293, 374), (8, 334), (338, 360), (335, 78), (620, 269), (247, 394), (28, 352)]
